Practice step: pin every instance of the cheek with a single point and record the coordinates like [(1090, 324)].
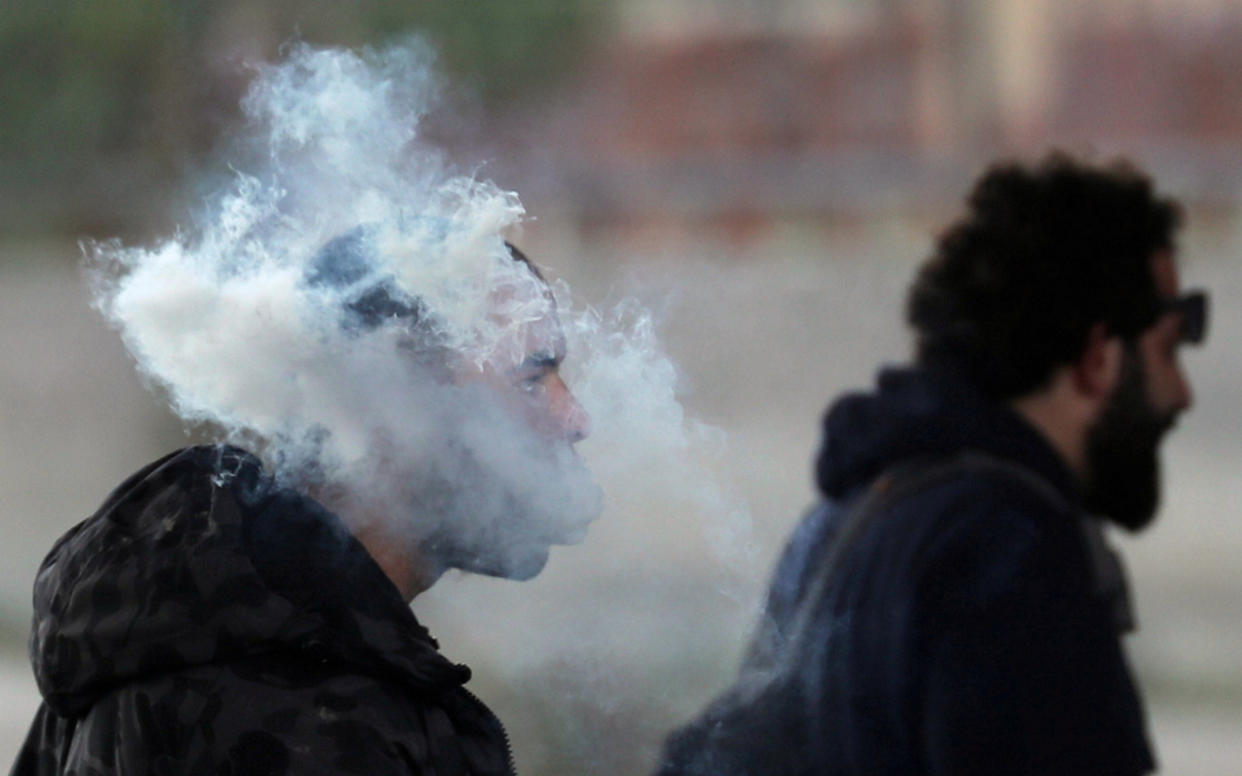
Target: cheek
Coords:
[(1165, 382), (1173, 392), (532, 406), (545, 410), (554, 412)]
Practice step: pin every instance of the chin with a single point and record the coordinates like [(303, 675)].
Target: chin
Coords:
[(517, 564)]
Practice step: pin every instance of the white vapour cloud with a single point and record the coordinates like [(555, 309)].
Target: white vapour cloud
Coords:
[(229, 318)]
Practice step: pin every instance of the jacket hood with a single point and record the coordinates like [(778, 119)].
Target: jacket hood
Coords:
[(914, 412), (202, 558)]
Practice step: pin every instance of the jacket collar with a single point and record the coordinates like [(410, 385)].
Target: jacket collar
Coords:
[(915, 412)]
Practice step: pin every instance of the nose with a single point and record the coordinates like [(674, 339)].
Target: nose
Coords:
[(572, 420)]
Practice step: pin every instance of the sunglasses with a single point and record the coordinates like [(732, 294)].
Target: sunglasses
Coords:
[(1192, 306)]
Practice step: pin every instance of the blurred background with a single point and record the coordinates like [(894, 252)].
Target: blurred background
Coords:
[(763, 173)]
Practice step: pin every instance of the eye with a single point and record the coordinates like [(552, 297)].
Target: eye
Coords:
[(532, 385)]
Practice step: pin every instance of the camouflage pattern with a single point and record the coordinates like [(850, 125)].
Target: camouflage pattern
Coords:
[(208, 621)]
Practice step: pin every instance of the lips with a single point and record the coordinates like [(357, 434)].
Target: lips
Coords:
[(574, 534), (574, 524)]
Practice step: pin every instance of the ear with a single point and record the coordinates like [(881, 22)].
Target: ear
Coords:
[(1098, 369)]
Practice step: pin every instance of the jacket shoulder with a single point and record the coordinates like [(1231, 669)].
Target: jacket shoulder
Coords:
[(285, 714), (962, 513)]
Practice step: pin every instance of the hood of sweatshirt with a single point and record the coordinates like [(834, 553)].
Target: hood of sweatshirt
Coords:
[(201, 558), (913, 413)]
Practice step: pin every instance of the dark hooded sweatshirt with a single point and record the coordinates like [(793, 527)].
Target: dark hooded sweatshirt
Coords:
[(207, 621), (969, 624)]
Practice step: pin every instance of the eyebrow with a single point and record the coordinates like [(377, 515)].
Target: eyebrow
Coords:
[(543, 359)]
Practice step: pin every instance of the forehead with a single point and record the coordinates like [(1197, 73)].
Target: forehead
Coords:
[(525, 321)]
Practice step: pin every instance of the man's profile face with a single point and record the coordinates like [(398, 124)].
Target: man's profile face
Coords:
[(526, 489), (525, 374), (1123, 445), (1168, 388)]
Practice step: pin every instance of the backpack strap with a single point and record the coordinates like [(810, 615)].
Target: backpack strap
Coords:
[(895, 484)]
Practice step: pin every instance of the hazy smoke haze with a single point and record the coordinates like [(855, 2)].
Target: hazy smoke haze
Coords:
[(234, 319)]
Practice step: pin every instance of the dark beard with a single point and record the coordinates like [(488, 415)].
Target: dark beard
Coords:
[(1123, 462)]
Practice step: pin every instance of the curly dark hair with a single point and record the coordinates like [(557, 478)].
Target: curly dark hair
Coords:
[(1043, 254)]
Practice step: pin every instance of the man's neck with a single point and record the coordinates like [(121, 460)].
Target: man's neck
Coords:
[(1052, 413), (408, 571)]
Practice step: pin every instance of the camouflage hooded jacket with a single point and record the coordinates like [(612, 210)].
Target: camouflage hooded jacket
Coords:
[(207, 621)]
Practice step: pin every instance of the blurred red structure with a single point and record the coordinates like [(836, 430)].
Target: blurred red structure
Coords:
[(735, 131)]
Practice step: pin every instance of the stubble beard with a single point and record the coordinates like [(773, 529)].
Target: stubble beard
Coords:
[(500, 498)]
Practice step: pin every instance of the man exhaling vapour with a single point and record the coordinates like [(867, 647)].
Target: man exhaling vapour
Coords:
[(381, 370), (214, 618)]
